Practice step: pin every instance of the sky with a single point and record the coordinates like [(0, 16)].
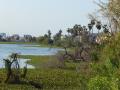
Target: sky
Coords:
[(36, 17)]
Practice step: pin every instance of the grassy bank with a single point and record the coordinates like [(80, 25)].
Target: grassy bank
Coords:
[(39, 61), (49, 75), (73, 76), (39, 45), (50, 79), (17, 43)]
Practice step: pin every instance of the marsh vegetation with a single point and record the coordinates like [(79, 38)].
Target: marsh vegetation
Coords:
[(87, 61)]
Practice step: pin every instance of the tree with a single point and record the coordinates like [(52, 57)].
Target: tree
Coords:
[(98, 26), (49, 34), (114, 7), (13, 69), (68, 31), (60, 32), (57, 38), (105, 29), (111, 11), (90, 26)]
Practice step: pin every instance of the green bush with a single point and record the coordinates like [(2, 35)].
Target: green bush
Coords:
[(94, 56), (111, 51), (102, 83)]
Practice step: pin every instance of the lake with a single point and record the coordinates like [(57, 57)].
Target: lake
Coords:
[(23, 49)]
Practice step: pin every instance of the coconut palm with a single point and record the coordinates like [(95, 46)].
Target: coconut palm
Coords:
[(111, 11), (68, 31), (90, 26), (75, 30), (49, 34), (80, 29), (60, 32), (93, 23), (98, 26), (105, 29)]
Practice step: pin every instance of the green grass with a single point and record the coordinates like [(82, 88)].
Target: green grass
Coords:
[(17, 43), (73, 76), (51, 79), (39, 61), (48, 74), (40, 45), (47, 45), (51, 62)]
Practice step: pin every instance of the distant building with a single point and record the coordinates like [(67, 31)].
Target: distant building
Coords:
[(27, 38)]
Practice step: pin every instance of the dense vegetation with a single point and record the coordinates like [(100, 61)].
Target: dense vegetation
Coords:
[(89, 61)]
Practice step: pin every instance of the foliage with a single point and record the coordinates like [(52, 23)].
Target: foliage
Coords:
[(102, 83), (94, 55), (114, 7), (105, 70), (111, 11), (111, 51), (99, 72)]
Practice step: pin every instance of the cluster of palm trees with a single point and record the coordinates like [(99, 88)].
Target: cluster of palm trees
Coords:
[(79, 31), (87, 32), (99, 26), (76, 30)]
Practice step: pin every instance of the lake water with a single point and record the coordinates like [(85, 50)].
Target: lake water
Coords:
[(7, 49)]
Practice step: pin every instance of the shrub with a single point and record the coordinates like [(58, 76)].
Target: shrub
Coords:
[(102, 83), (94, 56), (112, 51)]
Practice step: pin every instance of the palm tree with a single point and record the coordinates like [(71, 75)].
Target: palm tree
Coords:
[(60, 31), (80, 29), (80, 32), (90, 26), (92, 23), (111, 11), (75, 30), (84, 28), (98, 26), (49, 34), (68, 30), (105, 29)]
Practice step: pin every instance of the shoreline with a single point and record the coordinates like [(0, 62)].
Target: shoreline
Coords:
[(38, 61), (17, 43), (39, 45), (47, 72)]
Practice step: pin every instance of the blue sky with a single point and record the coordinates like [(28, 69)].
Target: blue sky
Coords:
[(37, 16)]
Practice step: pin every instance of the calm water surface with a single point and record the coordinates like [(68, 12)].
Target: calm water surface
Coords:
[(7, 49)]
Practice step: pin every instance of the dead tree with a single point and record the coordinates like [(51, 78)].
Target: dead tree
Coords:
[(13, 72)]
